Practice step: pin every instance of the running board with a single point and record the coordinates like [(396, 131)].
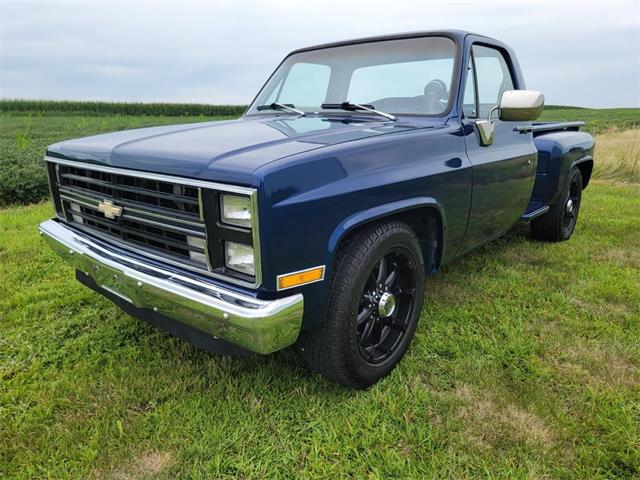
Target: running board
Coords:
[(535, 213)]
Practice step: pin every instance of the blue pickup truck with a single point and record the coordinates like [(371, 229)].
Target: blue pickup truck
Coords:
[(360, 168)]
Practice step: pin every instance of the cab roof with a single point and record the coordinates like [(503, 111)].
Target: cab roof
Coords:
[(458, 35)]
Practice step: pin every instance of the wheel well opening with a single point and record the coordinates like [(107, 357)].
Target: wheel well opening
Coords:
[(585, 169), (427, 225)]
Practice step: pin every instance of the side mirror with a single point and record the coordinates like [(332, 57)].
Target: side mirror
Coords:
[(515, 106), (521, 105)]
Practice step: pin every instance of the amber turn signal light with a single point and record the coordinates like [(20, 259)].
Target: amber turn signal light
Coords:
[(295, 279)]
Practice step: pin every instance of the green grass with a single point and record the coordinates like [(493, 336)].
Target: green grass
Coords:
[(70, 107), (24, 138), (598, 120), (526, 364)]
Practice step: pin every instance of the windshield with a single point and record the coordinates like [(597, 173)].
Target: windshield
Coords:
[(411, 76)]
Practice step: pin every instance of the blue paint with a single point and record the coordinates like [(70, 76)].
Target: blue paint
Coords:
[(320, 176)]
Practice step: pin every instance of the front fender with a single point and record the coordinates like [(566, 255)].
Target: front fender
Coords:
[(310, 202), (380, 211)]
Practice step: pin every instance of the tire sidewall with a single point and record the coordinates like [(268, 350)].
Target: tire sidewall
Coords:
[(574, 177), (406, 242)]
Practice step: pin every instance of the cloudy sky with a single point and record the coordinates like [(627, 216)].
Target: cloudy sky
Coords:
[(578, 53)]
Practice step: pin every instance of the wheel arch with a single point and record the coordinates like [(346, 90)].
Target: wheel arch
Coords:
[(585, 165), (424, 215)]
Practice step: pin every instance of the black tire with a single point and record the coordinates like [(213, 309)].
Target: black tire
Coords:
[(344, 348), (558, 223)]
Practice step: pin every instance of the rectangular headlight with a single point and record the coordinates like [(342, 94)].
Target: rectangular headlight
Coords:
[(239, 257), (236, 210)]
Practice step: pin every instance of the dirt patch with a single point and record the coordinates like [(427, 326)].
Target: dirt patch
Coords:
[(599, 367), (154, 462), (610, 309), (622, 257), (443, 291), (148, 464), (492, 424), (525, 255)]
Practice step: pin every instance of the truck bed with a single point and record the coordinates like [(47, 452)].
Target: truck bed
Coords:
[(539, 128), (561, 146)]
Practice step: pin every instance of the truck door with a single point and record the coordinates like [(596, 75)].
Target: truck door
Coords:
[(503, 173)]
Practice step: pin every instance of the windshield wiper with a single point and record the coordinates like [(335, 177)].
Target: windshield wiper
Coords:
[(282, 106), (356, 106)]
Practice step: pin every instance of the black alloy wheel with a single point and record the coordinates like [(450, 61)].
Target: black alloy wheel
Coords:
[(558, 224), (386, 305), (375, 302), (572, 206)]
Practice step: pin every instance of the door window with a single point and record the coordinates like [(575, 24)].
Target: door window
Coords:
[(492, 77)]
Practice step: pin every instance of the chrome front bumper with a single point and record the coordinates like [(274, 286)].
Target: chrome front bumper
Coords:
[(257, 325)]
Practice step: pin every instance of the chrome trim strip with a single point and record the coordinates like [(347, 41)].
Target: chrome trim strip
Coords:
[(323, 267), (544, 127), (258, 325), (116, 293), (535, 213), (153, 176), (141, 251), (82, 201), (200, 209), (64, 215), (255, 237), (159, 216), (206, 232)]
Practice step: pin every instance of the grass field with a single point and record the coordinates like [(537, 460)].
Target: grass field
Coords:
[(24, 138), (24, 135), (526, 362), (599, 120), (107, 109)]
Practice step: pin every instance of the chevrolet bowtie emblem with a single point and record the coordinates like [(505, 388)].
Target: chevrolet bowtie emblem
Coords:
[(109, 209)]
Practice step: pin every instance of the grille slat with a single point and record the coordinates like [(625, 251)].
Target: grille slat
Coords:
[(192, 231), (157, 216), (134, 208), (132, 230), (79, 180)]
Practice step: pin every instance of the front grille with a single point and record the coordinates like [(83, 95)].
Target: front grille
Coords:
[(157, 217)]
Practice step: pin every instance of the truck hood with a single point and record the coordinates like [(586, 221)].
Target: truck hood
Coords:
[(225, 151)]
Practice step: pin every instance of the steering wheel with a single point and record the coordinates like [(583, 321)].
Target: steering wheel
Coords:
[(436, 94)]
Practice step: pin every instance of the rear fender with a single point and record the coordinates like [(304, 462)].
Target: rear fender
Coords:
[(558, 153)]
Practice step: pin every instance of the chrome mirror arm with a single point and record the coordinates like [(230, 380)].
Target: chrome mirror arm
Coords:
[(485, 128), (495, 108)]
